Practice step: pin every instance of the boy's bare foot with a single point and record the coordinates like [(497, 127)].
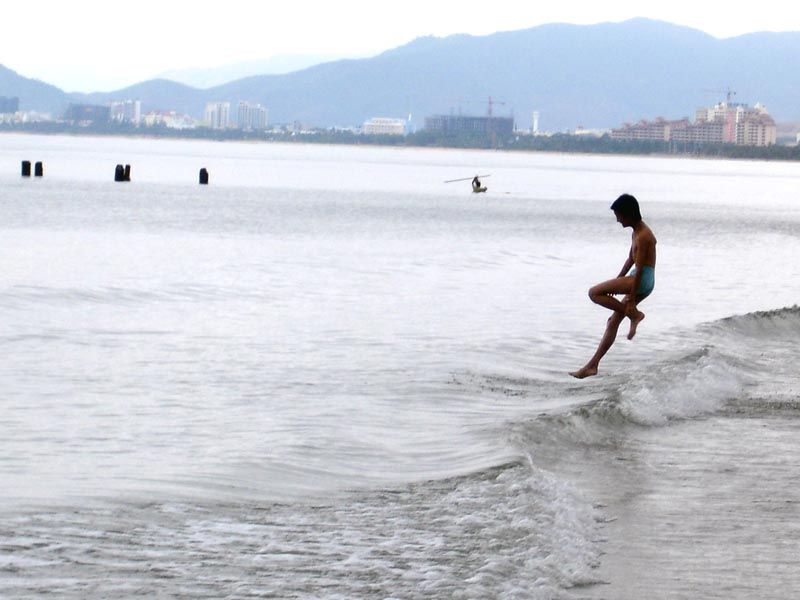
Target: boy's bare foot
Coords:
[(635, 320), (584, 372)]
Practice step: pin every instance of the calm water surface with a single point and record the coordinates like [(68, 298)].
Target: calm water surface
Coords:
[(329, 374)]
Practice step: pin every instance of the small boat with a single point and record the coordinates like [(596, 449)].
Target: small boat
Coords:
[(477, 190)]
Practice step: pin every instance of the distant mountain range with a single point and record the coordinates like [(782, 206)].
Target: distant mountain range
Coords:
[(206, 77), (596, 76)]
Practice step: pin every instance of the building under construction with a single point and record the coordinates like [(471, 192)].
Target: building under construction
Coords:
[(467, 124)]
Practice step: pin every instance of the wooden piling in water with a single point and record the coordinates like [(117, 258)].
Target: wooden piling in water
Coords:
[(122, 173)]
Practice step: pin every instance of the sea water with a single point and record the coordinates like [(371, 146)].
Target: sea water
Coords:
[(330, 374)]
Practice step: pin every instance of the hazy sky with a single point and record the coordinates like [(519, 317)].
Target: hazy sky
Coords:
[(89, 45)]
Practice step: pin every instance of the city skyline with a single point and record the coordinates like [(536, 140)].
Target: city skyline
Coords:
[(101, 50)]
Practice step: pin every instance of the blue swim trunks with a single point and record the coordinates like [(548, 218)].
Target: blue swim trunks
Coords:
[(647, 282)]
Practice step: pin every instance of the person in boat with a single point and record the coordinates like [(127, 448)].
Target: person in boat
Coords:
[(476, 183), (635, 284)]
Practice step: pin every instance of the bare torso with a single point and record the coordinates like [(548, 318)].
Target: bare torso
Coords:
[(643, 246)]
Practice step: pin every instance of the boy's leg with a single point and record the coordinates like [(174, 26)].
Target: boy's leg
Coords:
[(602, 293), (610, 334)]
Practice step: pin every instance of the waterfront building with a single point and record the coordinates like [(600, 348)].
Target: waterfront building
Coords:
[(468, 124), (723, 123), (757, 130), (218, 115), (252, 117), (126, 111), (168, 118), (384, 126), (710, 132), (580, 130), (84, 114), (659, 130)]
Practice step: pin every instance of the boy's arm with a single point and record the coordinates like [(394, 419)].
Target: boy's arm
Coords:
[(627, 266)]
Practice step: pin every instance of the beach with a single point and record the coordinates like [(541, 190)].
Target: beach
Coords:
[(329, 374)]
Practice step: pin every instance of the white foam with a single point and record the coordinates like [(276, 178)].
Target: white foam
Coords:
[(686, 388)]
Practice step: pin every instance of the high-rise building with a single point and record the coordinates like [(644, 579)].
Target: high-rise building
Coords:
[(724, 123), (252, 117), (126, 111), (87, 113), (218, 115)]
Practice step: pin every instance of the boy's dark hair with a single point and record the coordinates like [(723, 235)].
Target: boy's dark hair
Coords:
[(628, 206)]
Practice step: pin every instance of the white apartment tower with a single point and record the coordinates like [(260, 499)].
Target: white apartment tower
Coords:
[(126, 111), (218, 115), (742, 125), (252, 117)]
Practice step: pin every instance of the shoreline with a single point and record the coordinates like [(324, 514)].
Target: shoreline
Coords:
[(735, 153)]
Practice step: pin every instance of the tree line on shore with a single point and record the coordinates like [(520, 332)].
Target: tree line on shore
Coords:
[(567, 143)]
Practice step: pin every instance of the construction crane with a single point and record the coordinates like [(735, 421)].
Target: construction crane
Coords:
[(492, 134), (490, 103), (729, 93)]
